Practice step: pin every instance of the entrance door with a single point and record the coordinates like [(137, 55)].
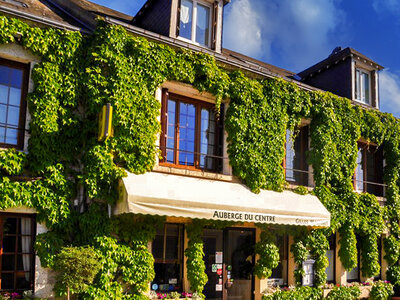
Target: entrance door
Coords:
[(229, 263)]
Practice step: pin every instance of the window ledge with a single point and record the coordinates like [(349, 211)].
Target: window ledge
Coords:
[(292, 186), (194, 173)]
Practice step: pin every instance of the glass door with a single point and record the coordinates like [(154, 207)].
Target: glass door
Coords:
[(229, 260), (239, 260), (213, 258)]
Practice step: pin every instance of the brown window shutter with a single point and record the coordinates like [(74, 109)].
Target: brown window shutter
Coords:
[(163, 138), (214, 25), (178, 18)]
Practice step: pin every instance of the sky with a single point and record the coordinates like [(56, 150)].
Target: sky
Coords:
[(295, 34)]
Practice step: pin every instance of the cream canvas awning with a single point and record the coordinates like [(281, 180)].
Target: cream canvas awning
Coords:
[(179, 196)]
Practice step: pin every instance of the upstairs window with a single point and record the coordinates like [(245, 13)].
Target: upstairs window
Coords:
[(195, 21), (192, 134), (13, 83), (368, 176), (17, 233), (362, 87), (296, 165)]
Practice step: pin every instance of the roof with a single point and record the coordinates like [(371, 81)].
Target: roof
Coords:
[(260, 64), (336, 57), (38, 11)]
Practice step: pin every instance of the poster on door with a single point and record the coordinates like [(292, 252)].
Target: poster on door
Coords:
[(218, 257)]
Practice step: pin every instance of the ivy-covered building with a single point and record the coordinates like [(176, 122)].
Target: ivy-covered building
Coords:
[(215, 174)]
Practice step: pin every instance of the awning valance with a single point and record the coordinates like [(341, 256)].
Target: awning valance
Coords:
[(180, 196)]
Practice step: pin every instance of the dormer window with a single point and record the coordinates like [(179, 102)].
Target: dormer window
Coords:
[(362, 87), (195, 22)]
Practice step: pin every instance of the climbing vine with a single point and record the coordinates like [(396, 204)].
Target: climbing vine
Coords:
[(77, 75)]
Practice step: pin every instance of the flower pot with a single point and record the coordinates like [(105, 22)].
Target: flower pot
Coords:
[(396, 298)]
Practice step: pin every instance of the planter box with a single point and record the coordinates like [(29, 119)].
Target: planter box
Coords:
[(365, 290)]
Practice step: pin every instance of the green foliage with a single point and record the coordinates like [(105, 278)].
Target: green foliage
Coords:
[(77, 75), (344, 293), (76, 267), (299, 293), (194, 253), (381, 291), (269, 255), (393, 275), (47, 246)]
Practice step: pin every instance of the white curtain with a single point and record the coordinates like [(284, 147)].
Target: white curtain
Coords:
[(185, 12), (26, 245)]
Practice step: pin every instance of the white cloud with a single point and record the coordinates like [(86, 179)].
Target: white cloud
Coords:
[(242, 28), (392, 6), (389, 87), (300, 32)]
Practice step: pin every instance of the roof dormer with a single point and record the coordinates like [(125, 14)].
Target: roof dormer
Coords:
[(198, 22), (346, 73)]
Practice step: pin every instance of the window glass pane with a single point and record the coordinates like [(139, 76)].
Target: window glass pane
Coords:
[(10, 226), (3, 94), (290, 156), (9, 244), (13, 116), (203, 25), (3, 114), (157, 247), (16, 78), (2, 134), (357, 86), (366, 87), (171, 108), (185, 25), (330, 270), (4, 75), (207, 139), (12, 136), (281, 270), (8, 262), (23, 280), (360, 171), (7, 281), (353, 274), (186, 134), (15, 97)]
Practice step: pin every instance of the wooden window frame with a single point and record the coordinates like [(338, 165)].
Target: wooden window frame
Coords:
[(364, 147), (164, 118), (361, 94), (304, 147), (181, 242), (22, 108), (212, 18), (31, 253)]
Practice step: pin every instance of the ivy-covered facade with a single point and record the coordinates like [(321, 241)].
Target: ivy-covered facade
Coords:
[(302, 184)]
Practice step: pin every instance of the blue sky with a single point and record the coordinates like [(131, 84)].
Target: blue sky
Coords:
[(295, 34)]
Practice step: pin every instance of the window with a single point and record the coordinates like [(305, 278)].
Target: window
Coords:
[(330, 270), (17, 233), (280, 273), (195, 21), (167, 250), (368, 176), (13, 83), (354, 274), (192, 135), (362, 86), (296, 165)]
